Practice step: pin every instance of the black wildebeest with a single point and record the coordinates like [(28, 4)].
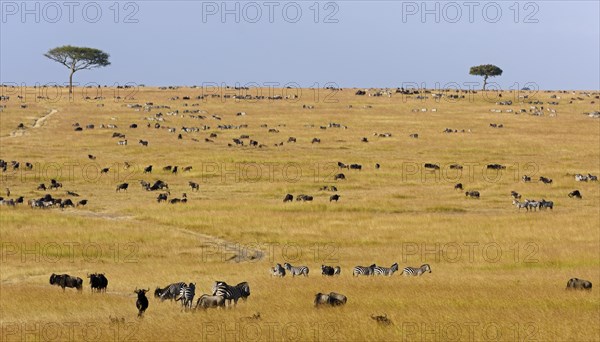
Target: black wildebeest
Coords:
[(142, 302), (98, 282), (579, 284), (162, 197), (65, 280), (195, 186), (122, 186), (334, 197), (472, 194), (575, 194), (288, 198)]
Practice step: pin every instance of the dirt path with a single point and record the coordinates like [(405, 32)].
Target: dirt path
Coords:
[(39, 122)]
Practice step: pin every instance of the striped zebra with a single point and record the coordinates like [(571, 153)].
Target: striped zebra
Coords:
[(241, 290), (169, 292), (361, 270), (186, 295), (414, 271), (297, 270), (386, 271)]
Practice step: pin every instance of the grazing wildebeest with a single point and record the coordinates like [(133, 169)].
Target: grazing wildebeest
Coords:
[(195, 186), (575, 193), (143, 142), (67, 203), (82, 203), (592, 178), (342, 165), (162, 197), (496, 166), (472, 194), (277, 271), (515, 195), (335, 197), (159, 185), (304, 198), (98, 282), (174, 170), (431, 166), (54, 184), (65, 280), (458, 186), (122, 186), (42, 187), (339, 176), (315, 140), (288, 198), (456, 167), (327, 270), (206, 301), (336, 299), (579, 284), (187, 169), (545, 180), (91, 157), (167, 168), (142, 302), (105, 170), (355, 167), (148, 169), (71, 193), (526, 179)]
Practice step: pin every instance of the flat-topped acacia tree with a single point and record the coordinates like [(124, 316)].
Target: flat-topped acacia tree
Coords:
[(486, 70), (78, 58)]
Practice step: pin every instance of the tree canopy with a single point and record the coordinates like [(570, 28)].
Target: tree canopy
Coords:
[(485, 70), (78, 58)]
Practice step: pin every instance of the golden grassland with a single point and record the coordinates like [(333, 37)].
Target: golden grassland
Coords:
[(498, 274)]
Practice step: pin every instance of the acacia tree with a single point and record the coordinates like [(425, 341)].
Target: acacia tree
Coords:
[(78, 58), (486, 70)]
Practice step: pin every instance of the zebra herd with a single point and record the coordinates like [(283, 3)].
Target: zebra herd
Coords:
[(280, 271), (388, 271), (221, 293)]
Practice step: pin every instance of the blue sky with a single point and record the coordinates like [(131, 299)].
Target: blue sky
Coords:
[(552, 44)]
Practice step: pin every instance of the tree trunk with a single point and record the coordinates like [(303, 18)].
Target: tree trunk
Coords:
[(71, 82), (485, 81)]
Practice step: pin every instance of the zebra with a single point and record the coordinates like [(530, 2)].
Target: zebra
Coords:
[(241, 290), (379, 270), (186, 295), (296, 270), (533, 205), (361, 270), (521, 205), (169, 292), (414, 271)]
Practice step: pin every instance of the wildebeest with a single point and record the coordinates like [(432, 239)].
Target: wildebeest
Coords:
[(304, 198), (575, 194), (122, 186), (545, 180), (288, 198), (339, 176), (335, 197), (315, 140), (148, 169), (143, 142), (159, 185), (579, 284), (195, 186), (105, 170), (333, 299), (526, 179), (98, 282), (431, 166), (207, 301), (277, 271), (327, 270), (496, 166), (356, 167), (515, 195), (458, 186), (65, 280), (472, 194), (82, 203), (162, 197), (142, 302)]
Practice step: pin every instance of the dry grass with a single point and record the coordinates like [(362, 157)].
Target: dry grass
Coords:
[(497, 273)]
